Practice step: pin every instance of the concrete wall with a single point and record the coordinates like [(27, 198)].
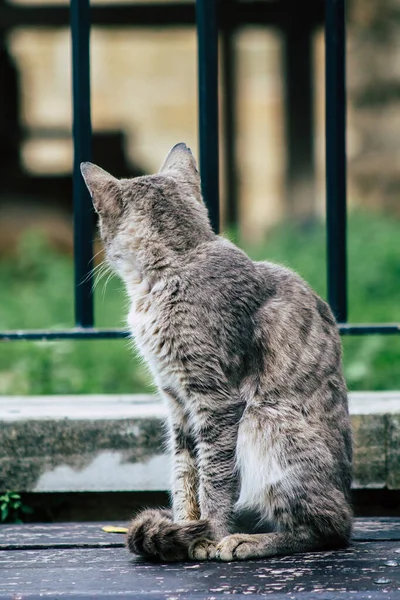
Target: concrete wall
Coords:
[(116, 443)]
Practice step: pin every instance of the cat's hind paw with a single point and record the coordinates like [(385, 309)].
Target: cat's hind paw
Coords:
[(203, 550), (236, 547)]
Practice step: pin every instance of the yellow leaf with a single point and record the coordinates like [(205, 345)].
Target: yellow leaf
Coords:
[(112, 529)]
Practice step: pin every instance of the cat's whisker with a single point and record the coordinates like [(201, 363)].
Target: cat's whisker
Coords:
[(100, 274), (96, 255), (98, 279), (105, 285), (92, 272)]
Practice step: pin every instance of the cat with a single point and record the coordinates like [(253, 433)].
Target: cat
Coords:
[(247, 358)]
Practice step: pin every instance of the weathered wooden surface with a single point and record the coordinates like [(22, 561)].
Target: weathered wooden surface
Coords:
[(69, 535), (377, 529), (82, 561), (91, 535)]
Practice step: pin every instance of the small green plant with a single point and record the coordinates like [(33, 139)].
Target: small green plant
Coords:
[(12, 508)]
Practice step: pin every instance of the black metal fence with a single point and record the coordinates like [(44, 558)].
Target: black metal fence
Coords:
[(210, 16)]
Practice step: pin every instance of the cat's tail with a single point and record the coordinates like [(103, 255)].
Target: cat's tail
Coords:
[(153, 534)]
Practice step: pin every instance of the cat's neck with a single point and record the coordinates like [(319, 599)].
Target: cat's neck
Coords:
[(137, 285), (155, 262), (148, 270)]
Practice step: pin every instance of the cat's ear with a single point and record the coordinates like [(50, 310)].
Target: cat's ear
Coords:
[(180, 164), (180, 159), (104, 189)]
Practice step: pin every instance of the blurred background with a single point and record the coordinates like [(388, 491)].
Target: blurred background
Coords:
[(144, 100)]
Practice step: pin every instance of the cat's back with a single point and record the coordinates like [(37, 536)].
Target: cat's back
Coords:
[(222, 271), (221, 290), (297, 337), (218, 282), (293, 305)]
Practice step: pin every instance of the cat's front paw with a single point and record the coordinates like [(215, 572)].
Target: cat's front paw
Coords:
[(203, 550), (236, 547)]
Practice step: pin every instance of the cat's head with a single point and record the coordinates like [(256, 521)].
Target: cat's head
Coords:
[(155, 215)]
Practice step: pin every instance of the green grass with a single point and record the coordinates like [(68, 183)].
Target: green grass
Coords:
[(36, 291)]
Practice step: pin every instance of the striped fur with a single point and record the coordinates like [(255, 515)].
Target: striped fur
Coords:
[(153, 534), (248, 360)]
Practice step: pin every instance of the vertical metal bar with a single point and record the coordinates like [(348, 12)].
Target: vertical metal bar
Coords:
[(82, 139), (207, 39), (298, 70), (335, 82), (229, 116)]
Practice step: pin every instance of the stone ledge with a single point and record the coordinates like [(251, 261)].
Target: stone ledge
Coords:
[(116, 443)]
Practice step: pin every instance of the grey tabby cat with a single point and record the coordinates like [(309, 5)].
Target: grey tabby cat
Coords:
[(248, 360)]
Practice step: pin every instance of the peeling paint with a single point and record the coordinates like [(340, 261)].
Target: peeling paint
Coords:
[(108, 471)]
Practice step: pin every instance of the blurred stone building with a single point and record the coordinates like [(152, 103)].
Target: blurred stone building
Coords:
[(374, 94), (144, 100)]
